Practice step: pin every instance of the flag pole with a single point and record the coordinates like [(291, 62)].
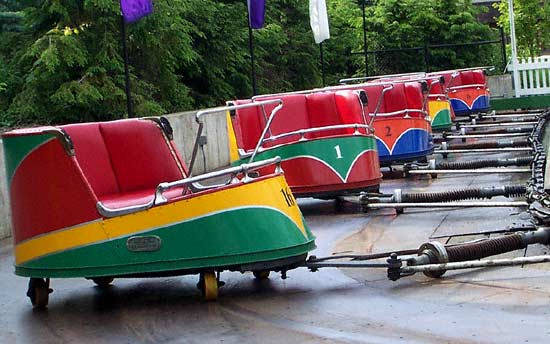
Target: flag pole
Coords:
[(126, 70), (322, 63), (252, 66)]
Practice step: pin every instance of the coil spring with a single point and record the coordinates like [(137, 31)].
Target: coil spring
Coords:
[(487, 248), (514, 190), (463, 194), (465, 165)]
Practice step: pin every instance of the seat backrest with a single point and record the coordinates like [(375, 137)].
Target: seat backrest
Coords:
[(350, 109), (93, 157), (467, 77), (455, 80), (323, 112), (414, 95), (140, 154), (291, 117), (395, 98), (247, 125), (123, 156), (479, 77), (374, 93)]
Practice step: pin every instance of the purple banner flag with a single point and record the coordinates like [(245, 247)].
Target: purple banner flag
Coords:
[(133, 10), (256, 13)]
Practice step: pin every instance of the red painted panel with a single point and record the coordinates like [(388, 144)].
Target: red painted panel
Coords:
[(48, 193), (390, 129)]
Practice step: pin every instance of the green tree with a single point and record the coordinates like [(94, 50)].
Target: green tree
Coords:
[(406, 24), (532, 18)]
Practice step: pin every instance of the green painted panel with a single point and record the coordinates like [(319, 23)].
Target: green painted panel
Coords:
[(338, 152), (16, 149), (442, 120), (528, 102), (239, 236)]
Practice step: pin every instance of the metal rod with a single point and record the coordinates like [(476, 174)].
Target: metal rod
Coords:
[(484, 150), (476, 264), (498, 231), (485, 125), (365, 39), (252, 65), (473, 171), (506, 115), (461, 204), (480, 136), (322, 63), (503, 46), (126, 69), (362, 256), (314, 265)]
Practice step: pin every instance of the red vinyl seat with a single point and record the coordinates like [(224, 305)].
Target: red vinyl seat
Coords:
[(124, 161), (467, 77), (299, 111), (414, 98), (479, 77), (395, 99)]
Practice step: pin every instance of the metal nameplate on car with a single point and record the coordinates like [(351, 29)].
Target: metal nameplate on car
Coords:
[(143, 243)]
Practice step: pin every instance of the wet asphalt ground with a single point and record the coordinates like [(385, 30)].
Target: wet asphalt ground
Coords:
[(499, 305)]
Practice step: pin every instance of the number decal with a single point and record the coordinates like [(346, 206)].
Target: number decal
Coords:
[(388, 130), (338, 152), (289, 198)]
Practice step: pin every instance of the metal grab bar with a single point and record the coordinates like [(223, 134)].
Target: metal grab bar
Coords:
[(233, 171), (159, 198), (489, 68), (224, 109), (302, 132), (347, 80), (379, 103), (388, 114), (454, 88), (210, 111)]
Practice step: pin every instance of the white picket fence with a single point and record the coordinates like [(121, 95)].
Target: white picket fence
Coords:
[(533, 76)]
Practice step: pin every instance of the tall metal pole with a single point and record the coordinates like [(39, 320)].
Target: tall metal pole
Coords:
[(126, 71), (252, 67), (365, 38), (503, 47), (514, 48), (322, 63)]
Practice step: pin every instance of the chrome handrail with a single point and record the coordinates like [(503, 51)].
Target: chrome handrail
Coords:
[(489, 68), (303, 132), (219, 109), (159, 198), (379, 103), (466, 86), (387, 114), (347, 80)]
